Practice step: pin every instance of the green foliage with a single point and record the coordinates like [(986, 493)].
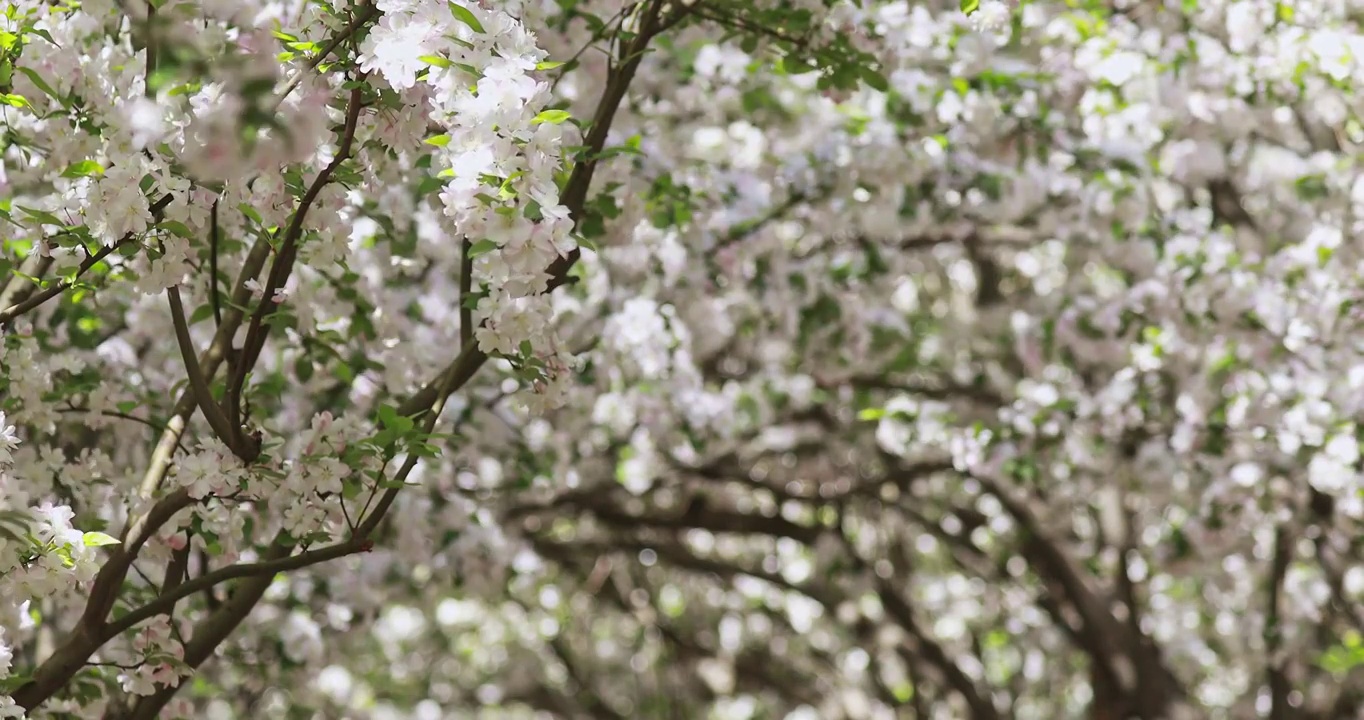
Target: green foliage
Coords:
[(1345, 656)]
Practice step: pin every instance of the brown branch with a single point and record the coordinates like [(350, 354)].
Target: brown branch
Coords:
[(283, 267), (87, 636), (1228, 205), (1108, 642), (925, 646), (1275, 675), (173, 594), (575, 192), (256, 577), (574, 198), (701, 516), (211, 632), (369, 13), (209, 362), (176, 570), (9, 314), (753, 670), (114, 414), (1099, 633), (213, 233), (982, 708), (932, 391), (744, 230), (466, 285), (19, 287), (593, 702), (232, 437), (214, 629)]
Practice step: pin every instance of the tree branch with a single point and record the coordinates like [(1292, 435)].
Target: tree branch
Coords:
[(209, 362), (283, 267), (370, 12), (466, 284), (214, 629), (19, 288), (87, 636), (213, 233), (9, 314), (1275, 675), (173, 594), (203, 394)]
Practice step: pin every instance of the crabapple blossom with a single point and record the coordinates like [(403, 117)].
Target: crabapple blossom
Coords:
[(588, 358)]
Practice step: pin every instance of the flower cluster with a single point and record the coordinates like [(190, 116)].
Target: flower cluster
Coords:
[(500, 150), (989, 358), (156, 660), (41, 556)]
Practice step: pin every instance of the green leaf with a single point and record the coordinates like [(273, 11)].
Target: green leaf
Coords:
[(388, 415), (482, 247), (303, 368), (14, 100), (178, 228), (44, 35), (871, 414), (428, 185), (794, 66), (551, 116), (548, 65), (250, 212), (200, 314), (463, 15), (98, 539), (874, 79), (970, 6), (436, 61), (42, 216), (38, 80), (438, 140)]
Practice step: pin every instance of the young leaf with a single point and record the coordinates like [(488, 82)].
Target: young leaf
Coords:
[(98, 539), (874, 79), (463, 15), (482, 247), (551, 116)]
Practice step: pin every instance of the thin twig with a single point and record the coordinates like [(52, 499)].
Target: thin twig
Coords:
[(20, 286), (369, 13), (114, 414), (213, 265)]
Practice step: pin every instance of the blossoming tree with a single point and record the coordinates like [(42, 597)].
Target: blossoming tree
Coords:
[(680, 359)]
